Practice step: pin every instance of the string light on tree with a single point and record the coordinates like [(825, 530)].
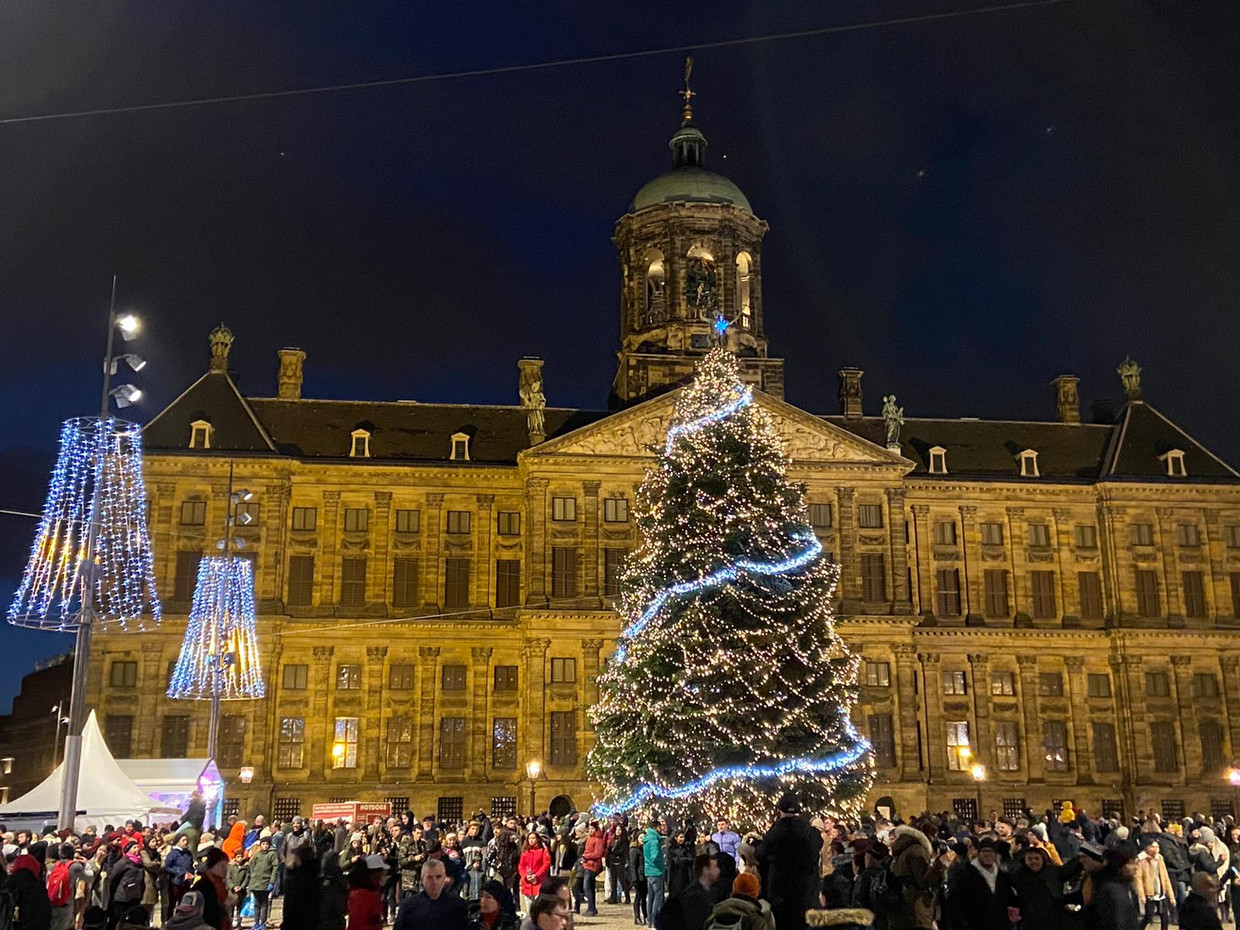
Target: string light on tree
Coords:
[(97, 480), (729, 684), (220, 635)]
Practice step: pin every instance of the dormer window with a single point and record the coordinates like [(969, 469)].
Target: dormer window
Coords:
[(200, 435), (1028, 464), (938, 461), (1174, 460), (460, 447), (361, 444)]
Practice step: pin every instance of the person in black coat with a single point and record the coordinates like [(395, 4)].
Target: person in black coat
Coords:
[(679, 865), (1115, 905), (984, 893), (301, 888), (1038, 884), (25, 884), (1200, 908), (788, 862)]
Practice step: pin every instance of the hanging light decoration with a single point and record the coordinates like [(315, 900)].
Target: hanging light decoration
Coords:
[(96, 503), (220, 650)]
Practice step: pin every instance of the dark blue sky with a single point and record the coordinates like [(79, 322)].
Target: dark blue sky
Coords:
[(964, 208)]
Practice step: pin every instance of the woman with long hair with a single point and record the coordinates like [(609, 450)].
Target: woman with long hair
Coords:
[(534, 866)]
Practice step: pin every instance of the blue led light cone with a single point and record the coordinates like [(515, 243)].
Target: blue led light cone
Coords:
[(220, 633)]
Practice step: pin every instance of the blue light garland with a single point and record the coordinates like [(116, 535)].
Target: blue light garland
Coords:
[(97, 480), (811, 550), (220, 633), (744, 397), (834, 762)]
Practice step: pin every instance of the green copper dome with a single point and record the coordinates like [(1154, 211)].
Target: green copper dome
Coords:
[(688, 181)]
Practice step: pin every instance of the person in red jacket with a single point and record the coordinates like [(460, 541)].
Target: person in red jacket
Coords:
[(533, 867), (592, 862), (365, 899)]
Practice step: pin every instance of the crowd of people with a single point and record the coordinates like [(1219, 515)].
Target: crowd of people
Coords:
[(1061, 870)]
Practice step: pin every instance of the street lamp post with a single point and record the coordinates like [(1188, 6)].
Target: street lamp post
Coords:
[(533, 769), (125, 395), (220, 654)]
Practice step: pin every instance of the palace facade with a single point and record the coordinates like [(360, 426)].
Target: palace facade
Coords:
[(1045, 610)]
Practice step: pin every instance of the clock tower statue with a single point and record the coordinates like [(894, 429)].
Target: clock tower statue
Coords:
[(691, 264)]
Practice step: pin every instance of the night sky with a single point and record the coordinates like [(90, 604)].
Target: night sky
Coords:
[(964, 208)]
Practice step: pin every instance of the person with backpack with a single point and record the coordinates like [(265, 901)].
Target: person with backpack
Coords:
[(744, 910), (60, 889), (126, 883)]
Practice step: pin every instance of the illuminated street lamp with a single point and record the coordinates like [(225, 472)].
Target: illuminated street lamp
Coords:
[(533, 769), (246, 774), (337, 753), (1233, 776)]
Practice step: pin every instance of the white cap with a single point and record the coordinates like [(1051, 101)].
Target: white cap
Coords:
[(375, 861)]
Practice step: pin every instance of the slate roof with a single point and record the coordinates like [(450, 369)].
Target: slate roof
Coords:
[(1085, 452), (399, 431), (406, 431)]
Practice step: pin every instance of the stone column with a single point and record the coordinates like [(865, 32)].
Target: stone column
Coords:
[(907, 720), (1217, 583), (1016, 550), (269, 586), (534, 652), (536, 540), (329, 537), (1078, 719), (378, 572), (477, 764), (161, 519), (850, 573), (970, 546), (1065, 567), (1171, 579), (432, 544), (590, 649), (936, 734), (147, 721), (897, 518), (923, 545), (1229, 665), (1027, 691), (371, 724), (983, 742), (429, 677), (484, 571), (319, 732), (591, 557), (1134, 737), (1190, 743)]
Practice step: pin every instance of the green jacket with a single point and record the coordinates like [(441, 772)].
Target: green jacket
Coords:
[(238, 876), (263, 867), (741, 913), (652, 851)]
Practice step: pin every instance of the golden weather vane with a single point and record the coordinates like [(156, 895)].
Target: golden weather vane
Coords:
[(687, 93)]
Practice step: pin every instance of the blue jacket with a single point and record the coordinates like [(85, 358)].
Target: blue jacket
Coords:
[(652, 851), (178, 862)]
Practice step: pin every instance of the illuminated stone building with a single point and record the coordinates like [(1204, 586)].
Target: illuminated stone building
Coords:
[(1053, 601)]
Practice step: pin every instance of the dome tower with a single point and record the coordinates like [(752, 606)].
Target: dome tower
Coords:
[(690, 254)]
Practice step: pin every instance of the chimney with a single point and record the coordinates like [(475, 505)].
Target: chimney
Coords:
[(533, 401), (850, 392), (1067, 400), (289, 378)]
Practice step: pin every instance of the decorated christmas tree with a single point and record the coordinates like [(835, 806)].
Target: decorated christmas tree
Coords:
[(729, 684)]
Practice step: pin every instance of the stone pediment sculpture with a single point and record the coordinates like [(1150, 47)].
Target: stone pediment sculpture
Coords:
[(636, 432)]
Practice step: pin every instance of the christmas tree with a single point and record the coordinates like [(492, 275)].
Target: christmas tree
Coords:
[(729, 684)]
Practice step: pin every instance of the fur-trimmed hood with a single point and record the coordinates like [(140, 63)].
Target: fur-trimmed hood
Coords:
[(906, 836), (841, 917)]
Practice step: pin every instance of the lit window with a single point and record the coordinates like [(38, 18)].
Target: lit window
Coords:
[(460, 447), (878, 674), (615, 510), (564, 509), (1028, 464), (959, 752), (954, 683), (1003, 683), (1174, 461), (938, 461), (744, 290), (360, 448), (200, 435), (344, 749), (348, 677)]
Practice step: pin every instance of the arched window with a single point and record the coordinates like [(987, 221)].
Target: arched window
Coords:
[(744, 290), (656, 288), (700, 284)]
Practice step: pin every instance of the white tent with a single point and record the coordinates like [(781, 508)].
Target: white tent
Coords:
[(105, 793)]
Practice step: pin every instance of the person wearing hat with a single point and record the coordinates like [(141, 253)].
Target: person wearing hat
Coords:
[(494, 909), (365, 897), (187, 915), (984, 898), (126, 881), (26, 885), (788, 864), (744, 909)]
